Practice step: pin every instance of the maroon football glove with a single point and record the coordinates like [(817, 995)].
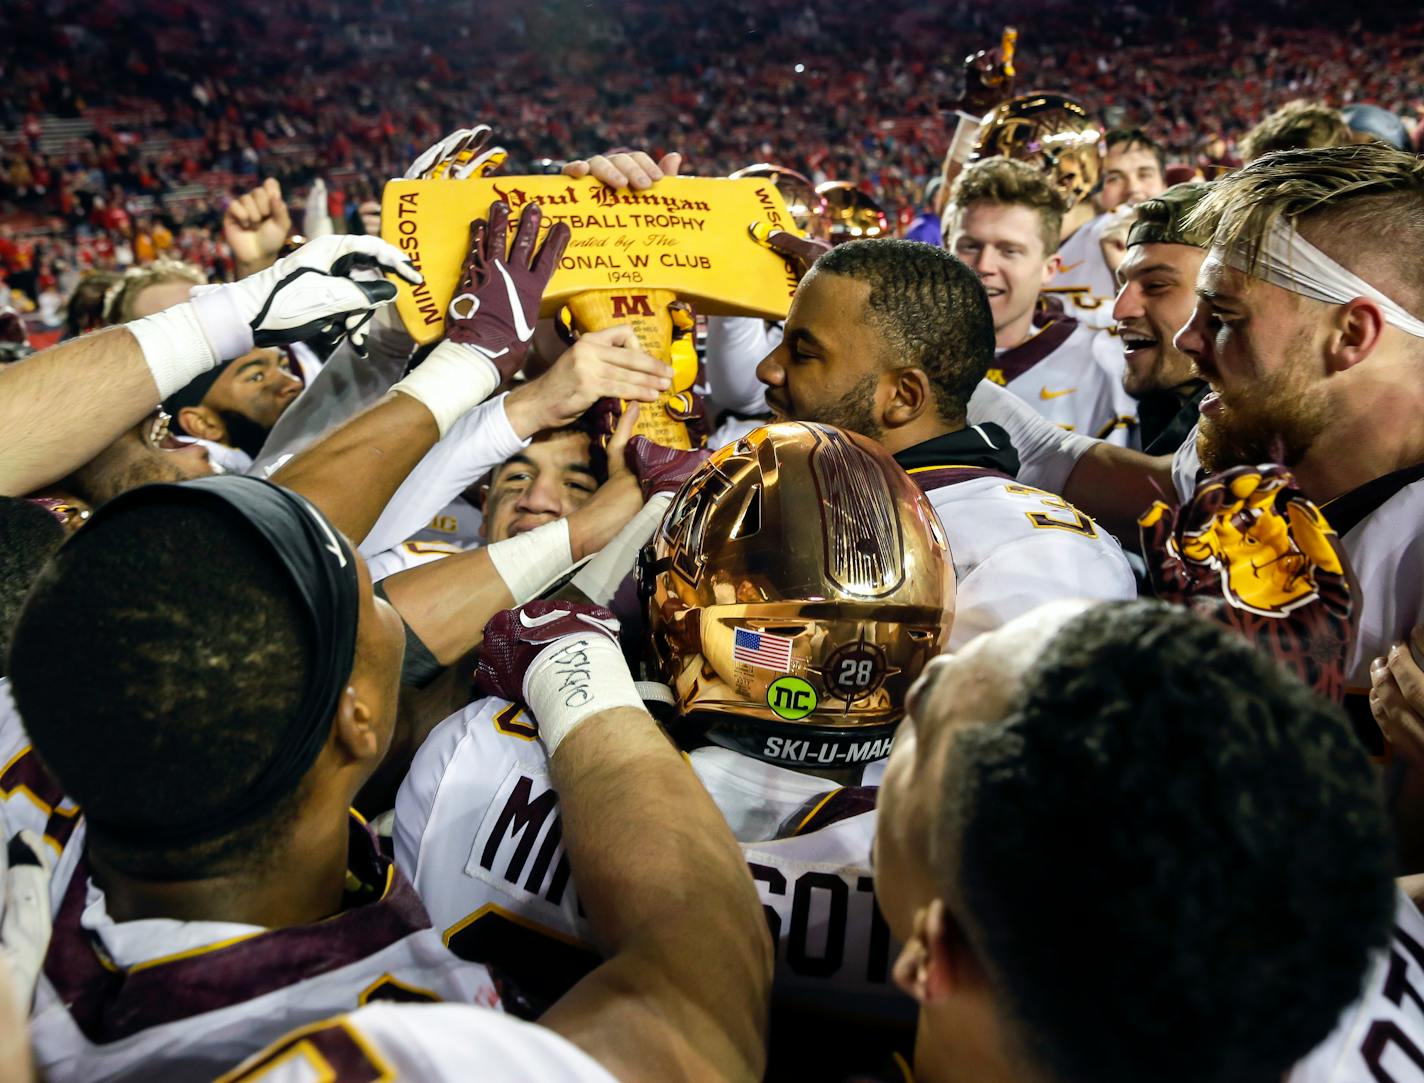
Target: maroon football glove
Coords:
[(661, 469), (515, 637), (496, 302), (989, 76), (801, 251), (1250, 551)]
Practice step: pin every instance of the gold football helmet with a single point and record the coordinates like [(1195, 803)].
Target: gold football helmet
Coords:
[(1049, 131), (798, 584), (807, 207), (853, 214)]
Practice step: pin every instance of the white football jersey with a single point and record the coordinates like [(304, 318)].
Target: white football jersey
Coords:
[(174, 1000), (477, 829), (1380, 525), (29, 798), (735, 346), (1015, 548), (476, 443), (1084, 282), (1380, 1037), (1071, 374), (421, 1043)]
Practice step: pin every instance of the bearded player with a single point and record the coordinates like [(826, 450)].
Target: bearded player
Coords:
[(890, 339), (784, 629), (1158, 275), (1313, 350)]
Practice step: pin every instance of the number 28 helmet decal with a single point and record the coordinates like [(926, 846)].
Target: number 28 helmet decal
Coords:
[(796, 588)]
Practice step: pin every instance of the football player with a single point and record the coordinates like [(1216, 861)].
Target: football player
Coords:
[(1119, 844), (237, 688), (1158, 276), (796, 585), (1132, 172), (889, 339), (216, 891), (66, 404), (231, 410), (1003, 220), (1314, 354)]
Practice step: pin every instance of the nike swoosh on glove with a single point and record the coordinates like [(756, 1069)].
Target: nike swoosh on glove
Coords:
[(496, 302), (314, 293), (1250, 551), (515, 637), (661, 469)]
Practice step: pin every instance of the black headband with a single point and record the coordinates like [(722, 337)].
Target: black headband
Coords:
[(322, 570)]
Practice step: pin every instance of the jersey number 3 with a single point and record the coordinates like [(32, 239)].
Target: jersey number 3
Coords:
[(1076, 522)]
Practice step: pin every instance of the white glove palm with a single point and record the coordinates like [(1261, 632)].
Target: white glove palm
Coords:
[(329, 287)]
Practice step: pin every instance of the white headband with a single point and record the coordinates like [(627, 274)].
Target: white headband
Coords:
[(1289, 261)]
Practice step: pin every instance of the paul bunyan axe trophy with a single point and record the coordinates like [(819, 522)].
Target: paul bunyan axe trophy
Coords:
[(638, 258)]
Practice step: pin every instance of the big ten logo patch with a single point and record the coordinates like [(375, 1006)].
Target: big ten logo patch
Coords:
[(519, 848)]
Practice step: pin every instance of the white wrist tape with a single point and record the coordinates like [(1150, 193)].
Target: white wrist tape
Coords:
[(529, 562), (174, 347), (219, 310), (573, 678), (966, 134), (599, 579), (1288, 260), (451, 382)]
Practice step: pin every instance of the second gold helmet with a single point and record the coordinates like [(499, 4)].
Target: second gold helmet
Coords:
[(1050, 131), (853, 215)]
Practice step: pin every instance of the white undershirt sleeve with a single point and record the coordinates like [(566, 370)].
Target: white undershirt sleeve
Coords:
[(475, 444)]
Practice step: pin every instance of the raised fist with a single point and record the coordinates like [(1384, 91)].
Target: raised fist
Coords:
[(989, 75), (255, 226), (1251, 551)]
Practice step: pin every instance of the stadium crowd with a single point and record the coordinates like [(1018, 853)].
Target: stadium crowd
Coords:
[(127, 127), (1000, 658)]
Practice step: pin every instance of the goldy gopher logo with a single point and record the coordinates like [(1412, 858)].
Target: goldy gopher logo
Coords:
[(1265, 550)]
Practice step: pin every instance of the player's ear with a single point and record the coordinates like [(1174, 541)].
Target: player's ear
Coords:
[(202, 423), (1052, 267), (937, 960), (909, 397), (354, 726), (1357, 330)]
